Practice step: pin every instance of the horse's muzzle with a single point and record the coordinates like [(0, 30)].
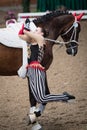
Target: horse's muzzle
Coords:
[(72, 51)]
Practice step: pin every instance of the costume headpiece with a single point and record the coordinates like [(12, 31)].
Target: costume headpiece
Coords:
[(28, 25)]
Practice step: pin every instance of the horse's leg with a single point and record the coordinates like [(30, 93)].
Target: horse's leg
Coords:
[(33, 110), (34, 113), (31, 118), (36, 126), (31, 97), (38, 111)]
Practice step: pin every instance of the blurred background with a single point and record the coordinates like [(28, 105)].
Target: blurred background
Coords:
[(44, 5), (23, 6)]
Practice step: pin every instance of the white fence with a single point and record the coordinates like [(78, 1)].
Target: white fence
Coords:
[(81, 11), (23, 16)]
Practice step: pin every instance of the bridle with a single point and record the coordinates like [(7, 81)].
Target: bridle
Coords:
[(75, 25), (72, 38), (73, 44)]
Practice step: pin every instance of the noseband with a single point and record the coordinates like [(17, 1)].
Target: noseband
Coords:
[(72, 44)]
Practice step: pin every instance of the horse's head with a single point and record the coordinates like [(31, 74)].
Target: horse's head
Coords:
[(59, 23), (70, 34), (66, 25)]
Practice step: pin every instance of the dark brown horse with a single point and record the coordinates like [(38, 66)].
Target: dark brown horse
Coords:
[(55, 23)]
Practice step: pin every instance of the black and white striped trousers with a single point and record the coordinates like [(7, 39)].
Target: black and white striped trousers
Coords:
[(37, 86)]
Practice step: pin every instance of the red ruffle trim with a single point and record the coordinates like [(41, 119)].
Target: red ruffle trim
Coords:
[(35, 65)]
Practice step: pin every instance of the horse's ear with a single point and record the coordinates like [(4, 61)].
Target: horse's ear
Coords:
[(79, 16)]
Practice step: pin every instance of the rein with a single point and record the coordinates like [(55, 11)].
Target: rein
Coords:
[(59, 42)]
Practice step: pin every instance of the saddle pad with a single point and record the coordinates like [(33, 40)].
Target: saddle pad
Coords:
[(9, 37)]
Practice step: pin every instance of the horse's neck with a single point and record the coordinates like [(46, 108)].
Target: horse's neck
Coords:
[(63, 24), (67, 21)]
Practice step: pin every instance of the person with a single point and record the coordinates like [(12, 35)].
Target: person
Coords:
[(36, 72)]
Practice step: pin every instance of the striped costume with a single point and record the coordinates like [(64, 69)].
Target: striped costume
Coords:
[(37, 77)]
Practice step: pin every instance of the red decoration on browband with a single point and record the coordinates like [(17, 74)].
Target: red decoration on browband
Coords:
[(78, 17)]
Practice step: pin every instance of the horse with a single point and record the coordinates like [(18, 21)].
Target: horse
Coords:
[(55, 24)]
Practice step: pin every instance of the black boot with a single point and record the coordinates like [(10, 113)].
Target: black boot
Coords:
[(69, 96)]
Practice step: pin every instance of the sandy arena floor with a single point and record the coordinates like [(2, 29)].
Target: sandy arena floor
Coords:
[(66, 73)]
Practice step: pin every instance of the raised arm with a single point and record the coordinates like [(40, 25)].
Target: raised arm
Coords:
[(36, 36)]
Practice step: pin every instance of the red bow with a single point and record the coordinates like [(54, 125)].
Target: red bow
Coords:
[(78, 17)]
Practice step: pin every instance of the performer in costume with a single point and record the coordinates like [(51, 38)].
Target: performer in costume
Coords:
[(36, 72)]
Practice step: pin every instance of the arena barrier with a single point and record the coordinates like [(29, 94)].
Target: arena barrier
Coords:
[(23, 16)]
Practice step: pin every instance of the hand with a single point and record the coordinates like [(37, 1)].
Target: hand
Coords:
[(24, 37)]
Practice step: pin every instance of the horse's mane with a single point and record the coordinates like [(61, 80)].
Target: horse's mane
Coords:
[(49, 16)]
